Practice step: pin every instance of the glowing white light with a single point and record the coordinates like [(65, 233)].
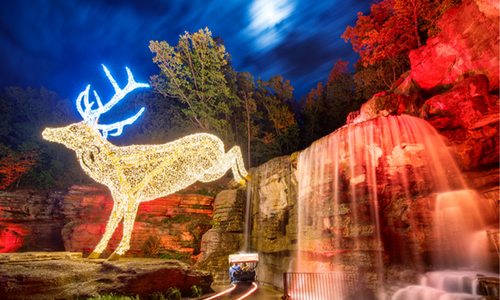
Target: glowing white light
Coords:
[(91, 116), (253, 289), (265, 15), (139, 173), (233, 286)]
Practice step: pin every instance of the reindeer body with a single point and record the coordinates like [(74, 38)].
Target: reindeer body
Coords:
[(166, 168), (139, 173)]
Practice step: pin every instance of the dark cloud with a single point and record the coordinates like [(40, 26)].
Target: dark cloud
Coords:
[(61, 44)]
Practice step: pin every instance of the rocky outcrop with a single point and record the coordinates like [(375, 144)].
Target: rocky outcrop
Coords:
[(274, 217), (226, 235), (168, 226), (467, 44), (31, 220), (66, 276), (469, 118)]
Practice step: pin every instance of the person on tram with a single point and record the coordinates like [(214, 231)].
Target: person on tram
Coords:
[(233, 270)]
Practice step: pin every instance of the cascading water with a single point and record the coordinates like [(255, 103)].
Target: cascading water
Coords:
[(459, 225), (248, 220), (348, 181)]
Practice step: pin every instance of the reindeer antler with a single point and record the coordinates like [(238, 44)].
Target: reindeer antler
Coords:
[(91, 116)]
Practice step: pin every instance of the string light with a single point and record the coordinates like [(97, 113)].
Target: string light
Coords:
[(140, 173)]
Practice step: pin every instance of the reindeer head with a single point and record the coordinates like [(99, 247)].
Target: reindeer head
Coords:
[(78, 135)]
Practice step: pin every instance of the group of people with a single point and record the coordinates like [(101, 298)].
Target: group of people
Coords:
[(241, 273)]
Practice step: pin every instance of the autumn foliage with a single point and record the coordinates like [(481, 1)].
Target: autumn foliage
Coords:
[(14, 165), (394, 27)]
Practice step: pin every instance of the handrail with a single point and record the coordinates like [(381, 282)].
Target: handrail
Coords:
[(317, 286)]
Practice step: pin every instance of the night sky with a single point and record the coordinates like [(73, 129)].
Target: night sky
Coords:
[(61, 44)]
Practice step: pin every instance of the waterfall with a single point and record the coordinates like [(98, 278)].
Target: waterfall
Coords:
[(351, 180)]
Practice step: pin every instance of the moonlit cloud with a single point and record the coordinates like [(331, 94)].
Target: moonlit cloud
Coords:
[(267, 21)]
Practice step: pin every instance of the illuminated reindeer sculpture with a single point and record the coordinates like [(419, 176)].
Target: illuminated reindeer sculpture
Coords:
[(139, 173)]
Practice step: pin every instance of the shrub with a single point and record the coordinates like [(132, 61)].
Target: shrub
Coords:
[(151, 247), (196, 291)]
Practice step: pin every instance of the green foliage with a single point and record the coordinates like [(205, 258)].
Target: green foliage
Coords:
[(326, 107), (278, 130), (113, 297), (196, 291), (157, 296), (180, 218), (23, 117), (175, 256), (213, 97), (173, 293), (193, 73)]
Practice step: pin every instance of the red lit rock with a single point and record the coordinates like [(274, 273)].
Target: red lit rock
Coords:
[(462, 106), (176, 222), (467, 44), (30, 220), (12, 237)]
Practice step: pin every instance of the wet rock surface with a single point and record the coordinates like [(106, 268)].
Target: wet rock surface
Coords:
[(65, 276)]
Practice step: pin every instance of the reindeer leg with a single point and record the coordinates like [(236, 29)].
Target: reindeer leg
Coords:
[(237, 166), (128, 225), (114, 219), (230, 160)]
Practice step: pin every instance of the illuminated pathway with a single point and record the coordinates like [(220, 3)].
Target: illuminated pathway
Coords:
[(247, 291)]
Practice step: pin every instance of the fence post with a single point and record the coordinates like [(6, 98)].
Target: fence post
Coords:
[(285, 287)]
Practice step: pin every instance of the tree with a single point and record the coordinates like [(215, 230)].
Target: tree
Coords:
[(193, 73), (381, 34), (385, 36), (246, 89), (280, 131), (14, 165), (326, 107)]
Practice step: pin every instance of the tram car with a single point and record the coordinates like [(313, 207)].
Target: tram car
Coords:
[(242, 267)]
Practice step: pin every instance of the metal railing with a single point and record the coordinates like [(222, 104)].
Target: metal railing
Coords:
[(317, 286)]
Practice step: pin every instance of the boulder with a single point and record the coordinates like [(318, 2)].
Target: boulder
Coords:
[(462, 106), (467, 44), (66, 276)]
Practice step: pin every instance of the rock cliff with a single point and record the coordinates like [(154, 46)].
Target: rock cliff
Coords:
[(168, 226), (31, 221), (226, 235), (75, 220)]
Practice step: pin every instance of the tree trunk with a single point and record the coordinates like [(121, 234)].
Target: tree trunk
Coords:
[(414, 4), (248, 132)]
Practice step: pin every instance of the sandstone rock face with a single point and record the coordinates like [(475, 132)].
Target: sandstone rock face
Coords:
[(226, 235), (462, 106), (274, 217), (31, 220), (175, 223), (64, 276), (467, 44)]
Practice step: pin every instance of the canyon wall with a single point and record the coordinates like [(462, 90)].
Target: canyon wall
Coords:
[(170, 227)]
